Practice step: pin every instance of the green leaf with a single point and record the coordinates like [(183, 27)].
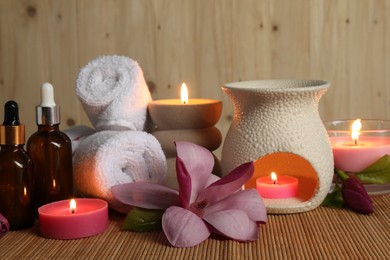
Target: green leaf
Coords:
[(143, 220), (334, 199), (377, 173), (342, 174)]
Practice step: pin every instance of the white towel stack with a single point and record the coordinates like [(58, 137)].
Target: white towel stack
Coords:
[(114, 94)]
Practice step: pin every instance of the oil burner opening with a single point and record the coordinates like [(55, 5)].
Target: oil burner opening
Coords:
[(295, 173)]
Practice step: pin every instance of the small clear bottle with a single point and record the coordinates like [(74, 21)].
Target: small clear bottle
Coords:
[(16, 171), (51, 152)]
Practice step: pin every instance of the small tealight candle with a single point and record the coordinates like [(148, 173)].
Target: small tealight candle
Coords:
[(71, 219), (277, 187)]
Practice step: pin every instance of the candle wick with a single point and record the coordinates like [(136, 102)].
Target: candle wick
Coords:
[(72, 211), (355, 141), (275, 182)]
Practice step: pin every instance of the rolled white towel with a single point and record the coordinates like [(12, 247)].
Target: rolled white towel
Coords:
[(78, 133), (114, 94), (109, 158)]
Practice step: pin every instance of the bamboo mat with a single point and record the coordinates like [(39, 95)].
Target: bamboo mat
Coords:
[(322, 233)]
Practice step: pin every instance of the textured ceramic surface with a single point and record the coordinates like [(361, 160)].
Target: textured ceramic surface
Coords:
[(279, 116)]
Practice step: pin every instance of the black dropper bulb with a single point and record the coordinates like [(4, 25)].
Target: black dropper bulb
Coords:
[(11, 113)]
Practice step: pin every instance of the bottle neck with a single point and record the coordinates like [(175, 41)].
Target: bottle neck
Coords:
[(11, 148), (49, 128), (47, 115)]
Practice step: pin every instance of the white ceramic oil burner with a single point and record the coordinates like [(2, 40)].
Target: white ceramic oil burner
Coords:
[(276, 124)]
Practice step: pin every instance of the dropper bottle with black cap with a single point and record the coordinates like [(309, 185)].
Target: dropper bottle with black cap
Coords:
[(51, 152), (16, 171)]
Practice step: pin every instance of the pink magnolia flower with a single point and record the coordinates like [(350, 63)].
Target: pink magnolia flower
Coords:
[(204, 203)]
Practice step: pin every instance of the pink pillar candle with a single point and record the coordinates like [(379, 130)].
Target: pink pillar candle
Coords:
[(284, 187), (57, 220), (351, 157)]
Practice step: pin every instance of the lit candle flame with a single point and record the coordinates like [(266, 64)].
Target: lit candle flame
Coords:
[(72, 206), (356, 126), (54, 183), (24, 191), (184, 93), (274, 177)]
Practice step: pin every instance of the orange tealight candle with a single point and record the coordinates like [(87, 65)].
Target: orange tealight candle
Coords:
[(185, 113), (274, 187)]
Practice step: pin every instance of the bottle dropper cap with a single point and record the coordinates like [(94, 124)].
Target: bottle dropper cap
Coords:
[(48, 113), (12, 132)]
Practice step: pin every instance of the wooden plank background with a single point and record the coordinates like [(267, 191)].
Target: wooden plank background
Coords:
[(204, 43)]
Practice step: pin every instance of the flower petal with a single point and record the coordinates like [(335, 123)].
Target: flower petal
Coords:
[(248, 201), (146, 195), (184, 181), (199, 163), (228, 184), (234, 224), (183, 228), (356, 197), (212, 178), (4, 225)]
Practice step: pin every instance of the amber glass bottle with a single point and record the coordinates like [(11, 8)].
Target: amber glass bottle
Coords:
[(51, 152), (16, 202)]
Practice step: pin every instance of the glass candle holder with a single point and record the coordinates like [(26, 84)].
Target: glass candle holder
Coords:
[(355, 154)]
